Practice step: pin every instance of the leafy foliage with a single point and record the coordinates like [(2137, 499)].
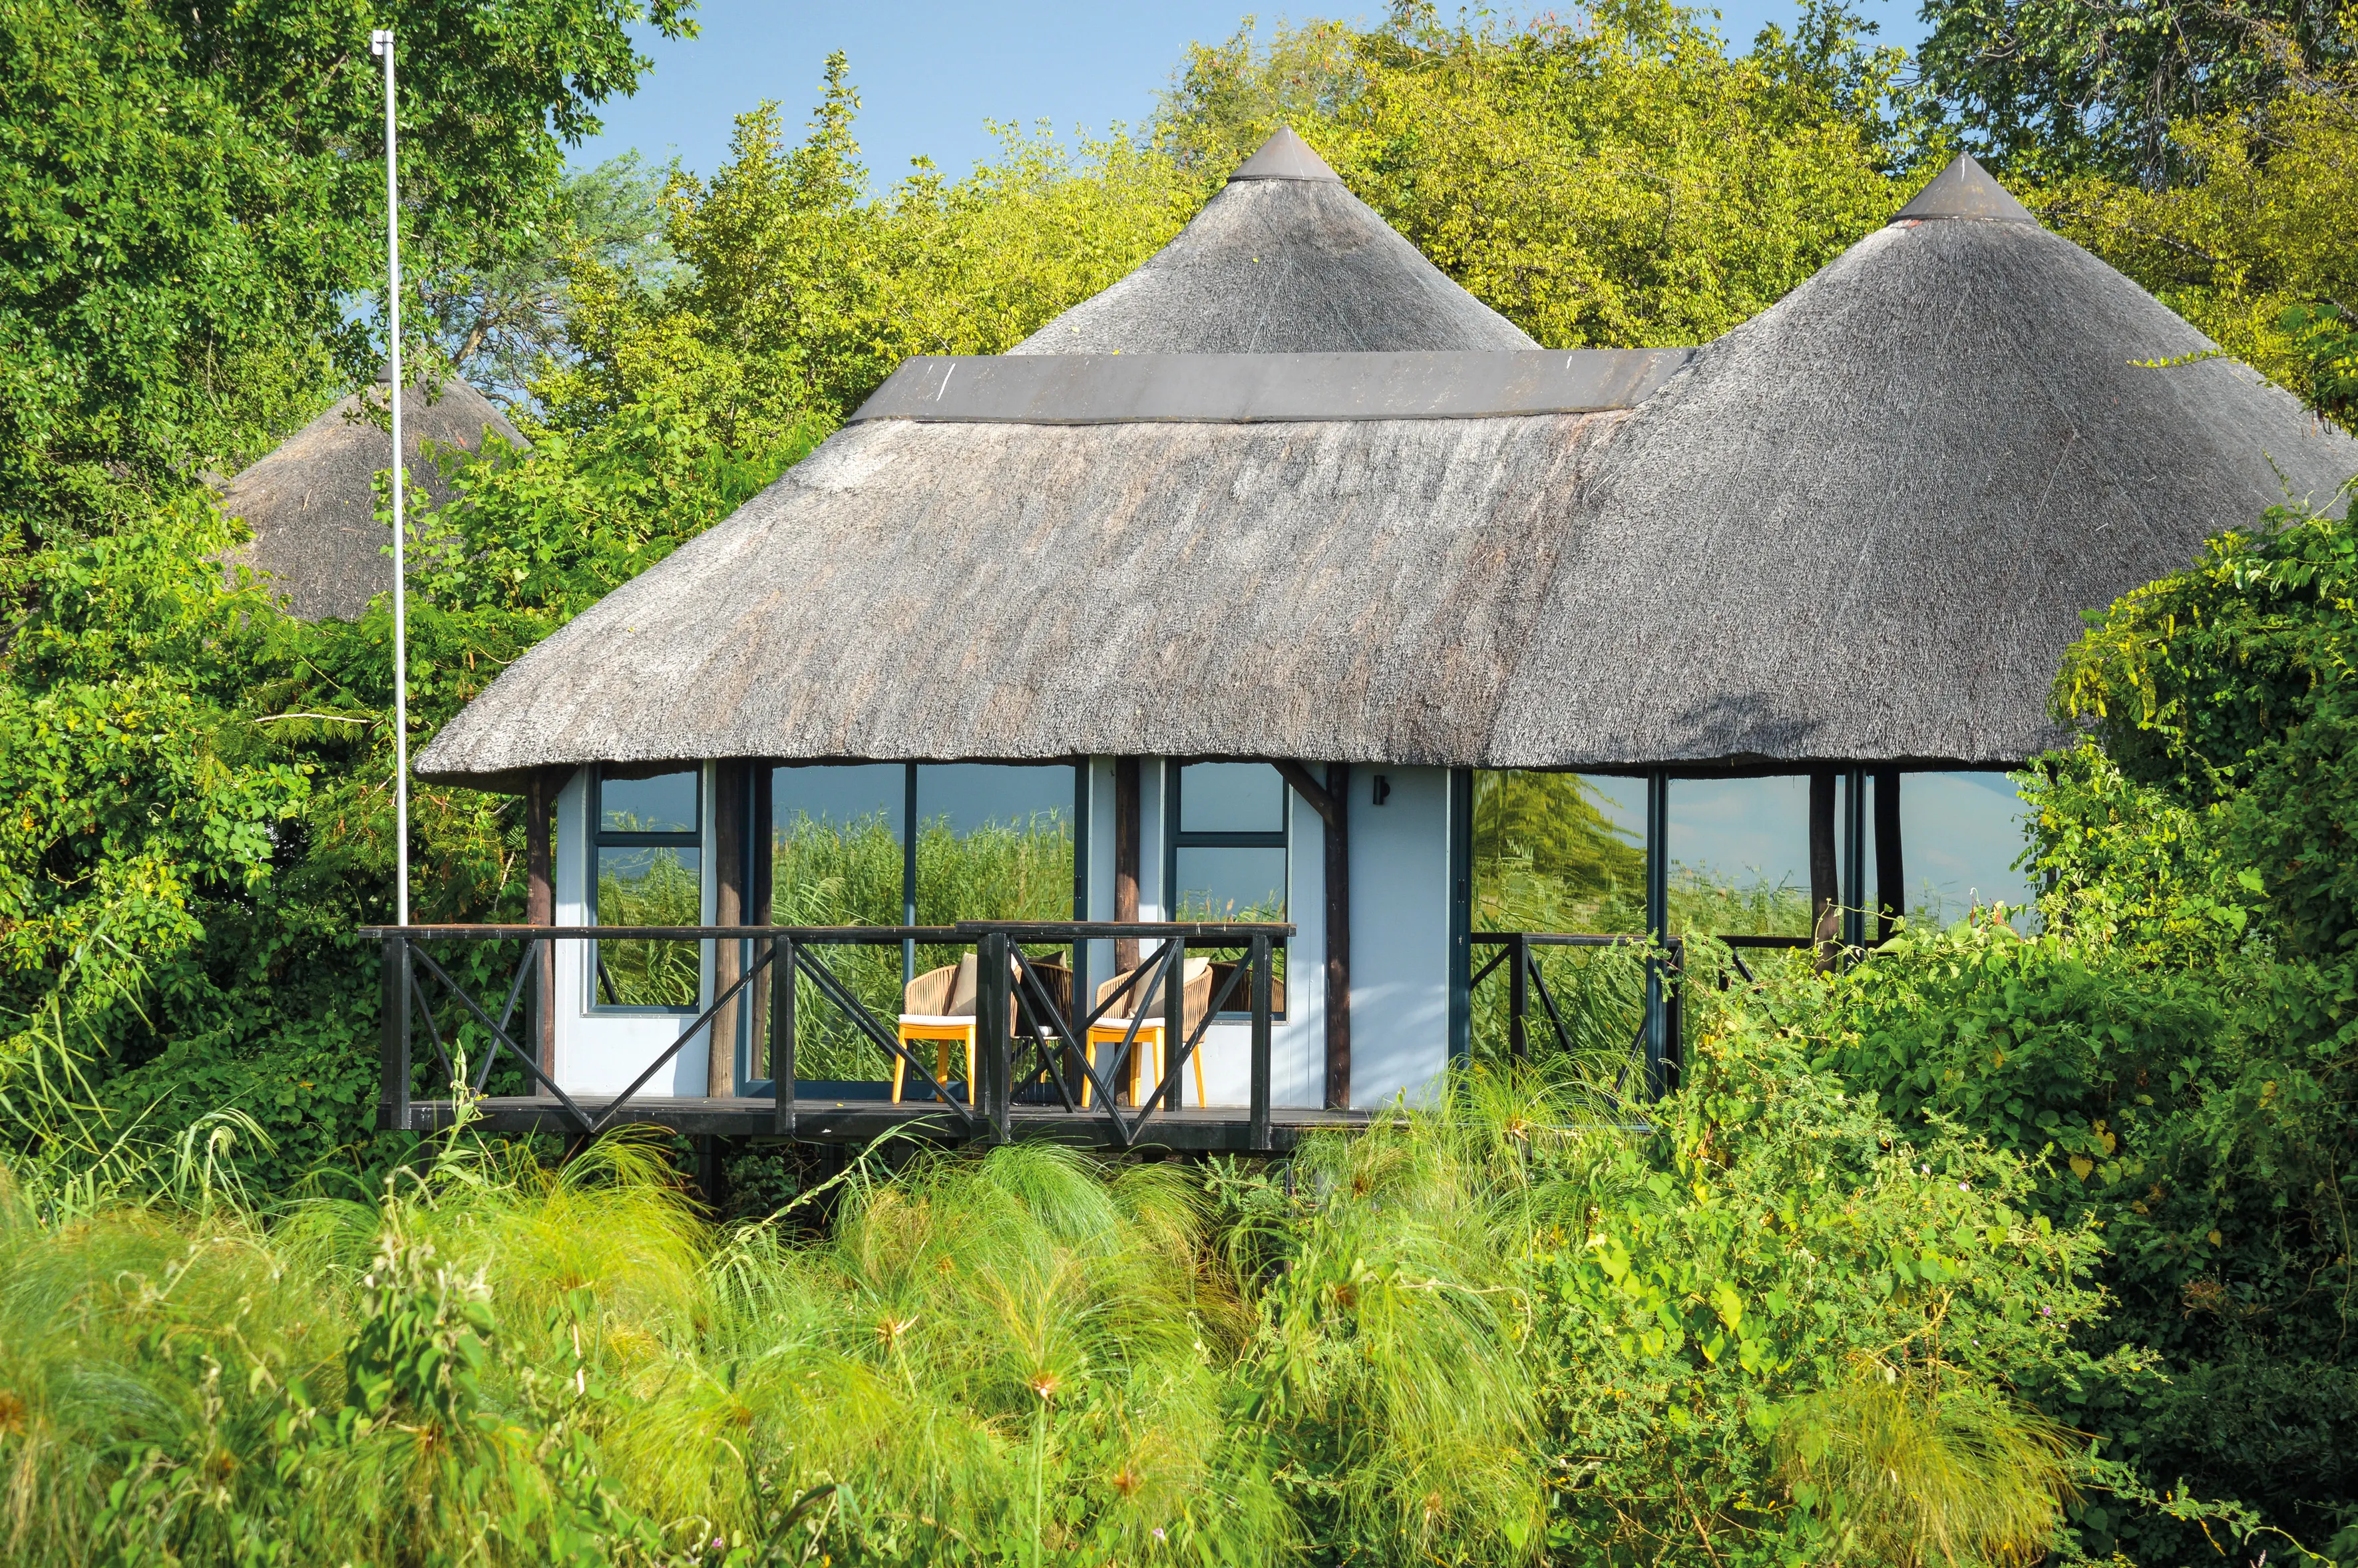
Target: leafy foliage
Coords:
[(2066, 86), (188, 199), (1622, 182), (2247, 243), (1476, 1335)]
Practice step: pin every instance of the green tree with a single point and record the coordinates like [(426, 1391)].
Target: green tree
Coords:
[(500, 326), (2054, 87), (197, 806), (799, 291), (190, 195), (2249, 240), (1625, 182)]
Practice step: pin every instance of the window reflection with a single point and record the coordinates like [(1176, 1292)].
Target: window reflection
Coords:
[(648, 869)]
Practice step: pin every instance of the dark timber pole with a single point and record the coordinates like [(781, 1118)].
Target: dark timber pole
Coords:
[(1855, 858), (728, 908), (1890, 884), (1125, 862), (760, 856), (540, 908), (909, 870), (1338, 937), (1826, 896), (1658, 929)]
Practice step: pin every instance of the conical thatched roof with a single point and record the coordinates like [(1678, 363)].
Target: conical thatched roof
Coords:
[(312, 502), (1865, 524), (1284, 259), (1861, 528)]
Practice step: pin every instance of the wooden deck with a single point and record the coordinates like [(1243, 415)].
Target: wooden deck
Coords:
[(1225, 1128)]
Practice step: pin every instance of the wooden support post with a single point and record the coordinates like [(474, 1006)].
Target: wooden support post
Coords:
[(1890, 882), (1826, 897), (1855, 858), (1338, 937), (909, 871), (1125, 863), (709, 1170), (728, 908), (1657, 930), (782, 1036), (1519, 997), (393, 1039), (540, 908), (1263, 961), (760, 854), (1174, 1019), (1076, 1003), (993, 1049)]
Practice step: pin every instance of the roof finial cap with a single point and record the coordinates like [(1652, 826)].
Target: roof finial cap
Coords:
[(1966, 189), (1285, 156)]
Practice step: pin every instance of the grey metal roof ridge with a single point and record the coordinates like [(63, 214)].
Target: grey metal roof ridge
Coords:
[(1119, 389)]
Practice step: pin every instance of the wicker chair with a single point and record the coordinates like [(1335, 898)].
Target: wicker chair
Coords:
[(1147, 1055), (938, 1005)]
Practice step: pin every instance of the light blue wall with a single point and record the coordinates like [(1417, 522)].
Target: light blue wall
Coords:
[(601, 1050), (1399, 935)]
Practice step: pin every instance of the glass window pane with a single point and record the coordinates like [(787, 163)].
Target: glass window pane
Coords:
[(648, 887), (664, 804), (858, 793), (1559, 852), (994, 842), (1740, 854), (1231, 797), (1959, 836), (835, 847), (1231, 884)]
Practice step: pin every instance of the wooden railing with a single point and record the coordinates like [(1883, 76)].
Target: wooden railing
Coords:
[(1660, 1046), (1028, 1039)]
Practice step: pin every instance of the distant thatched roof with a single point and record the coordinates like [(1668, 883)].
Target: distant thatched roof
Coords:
[(312, 502), (1859, 527)]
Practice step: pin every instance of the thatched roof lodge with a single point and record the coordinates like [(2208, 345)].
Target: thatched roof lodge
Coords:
[(311, 503), (1326, 508)]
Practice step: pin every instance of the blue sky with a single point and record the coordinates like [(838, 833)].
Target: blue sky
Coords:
[(930, 73)]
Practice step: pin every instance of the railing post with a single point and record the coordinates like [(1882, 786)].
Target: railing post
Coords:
[(1264, 962), (1674, 1064), (393, 1041), (994, 1064), (1174, 1018), (1658, 929), (1518, 996), (782, 1035)]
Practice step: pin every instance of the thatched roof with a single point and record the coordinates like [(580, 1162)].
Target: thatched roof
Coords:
[(1864, 525), (1283, 260), (312, 502), (1860, 527)]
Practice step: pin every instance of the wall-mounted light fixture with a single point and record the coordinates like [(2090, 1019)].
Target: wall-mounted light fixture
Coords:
[(1383, 789)]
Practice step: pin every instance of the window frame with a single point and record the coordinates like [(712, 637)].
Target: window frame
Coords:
[(1177, 839), (600, 838)]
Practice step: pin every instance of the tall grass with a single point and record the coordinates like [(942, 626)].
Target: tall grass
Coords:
[(1017, 1356)]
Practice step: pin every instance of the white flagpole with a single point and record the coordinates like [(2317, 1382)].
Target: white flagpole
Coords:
[(380, 44)]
